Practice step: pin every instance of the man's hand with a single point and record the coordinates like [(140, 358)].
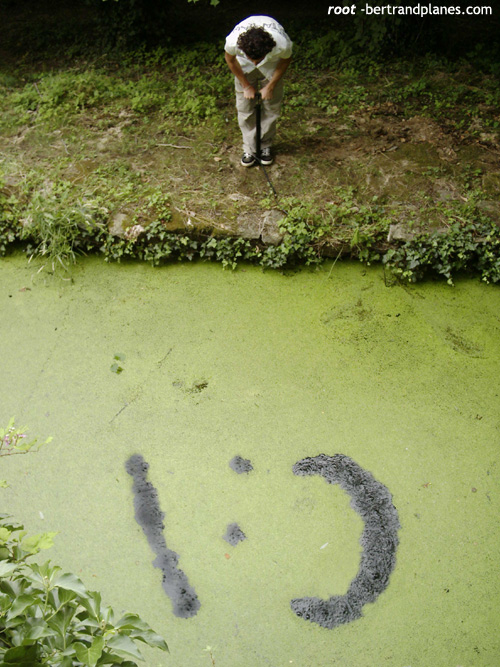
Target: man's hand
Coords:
[(249, 92), (267, 92)]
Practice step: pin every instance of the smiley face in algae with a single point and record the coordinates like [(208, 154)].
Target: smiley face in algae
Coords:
[(369, 498)]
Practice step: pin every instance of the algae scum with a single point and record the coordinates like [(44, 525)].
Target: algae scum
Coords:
[(230, 383)]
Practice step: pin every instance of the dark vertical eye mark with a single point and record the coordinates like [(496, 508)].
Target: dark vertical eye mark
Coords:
[(373, 502), (150, 518)]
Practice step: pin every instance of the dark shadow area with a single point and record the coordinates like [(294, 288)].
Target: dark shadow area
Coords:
[(82, 27)]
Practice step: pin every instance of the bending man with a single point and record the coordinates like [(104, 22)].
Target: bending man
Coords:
[(258, 52)]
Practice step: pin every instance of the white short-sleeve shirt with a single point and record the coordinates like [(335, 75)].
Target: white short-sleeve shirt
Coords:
[(283, 48)]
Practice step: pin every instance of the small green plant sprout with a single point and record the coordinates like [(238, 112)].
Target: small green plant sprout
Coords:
[(115, 366), (15, 441), (48, 617), (209, 650)]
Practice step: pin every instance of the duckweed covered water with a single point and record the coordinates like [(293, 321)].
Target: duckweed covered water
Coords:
[(272, 369)]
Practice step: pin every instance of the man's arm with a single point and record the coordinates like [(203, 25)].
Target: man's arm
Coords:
[(235, 67), (281, 67)]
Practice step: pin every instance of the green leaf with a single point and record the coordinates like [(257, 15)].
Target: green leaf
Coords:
[(152, 638), (66, 662), (35, 543), (111, 658), (3, 484), (131, 622), (136, 628), (36, 580), (71, 582), (6, 568), (16, 622), (46, 571), (7, 522), (108, 615), (123, 645), (20, 605), (21, 655), (61, 621), (5, 602), (5, 533), (25, 446), (65, 596), (92, 603), (89, 655), (86, 622), (38, 629), (7, 588)]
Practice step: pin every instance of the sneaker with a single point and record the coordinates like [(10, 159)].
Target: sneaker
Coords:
[(248, 160), (266, 157)]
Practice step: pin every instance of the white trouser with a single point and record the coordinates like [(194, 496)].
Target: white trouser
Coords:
[(270, 111)]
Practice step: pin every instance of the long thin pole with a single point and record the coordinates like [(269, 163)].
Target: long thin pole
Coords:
[(258, 103)]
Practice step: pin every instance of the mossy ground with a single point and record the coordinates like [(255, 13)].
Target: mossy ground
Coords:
[(154, 136)]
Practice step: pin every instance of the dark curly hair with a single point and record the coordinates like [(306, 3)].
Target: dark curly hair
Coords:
[(256, 43)]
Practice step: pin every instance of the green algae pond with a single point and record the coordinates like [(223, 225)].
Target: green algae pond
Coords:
[(189, 366)]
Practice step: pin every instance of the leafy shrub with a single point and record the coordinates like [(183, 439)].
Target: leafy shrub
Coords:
[(196, 94), (470, 243), (465, 247), (68, 91), (188, 59), (9, 229), (48, 617), (190, 104), (14, 440), (55, 224), (147, 93), (130, 22)]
